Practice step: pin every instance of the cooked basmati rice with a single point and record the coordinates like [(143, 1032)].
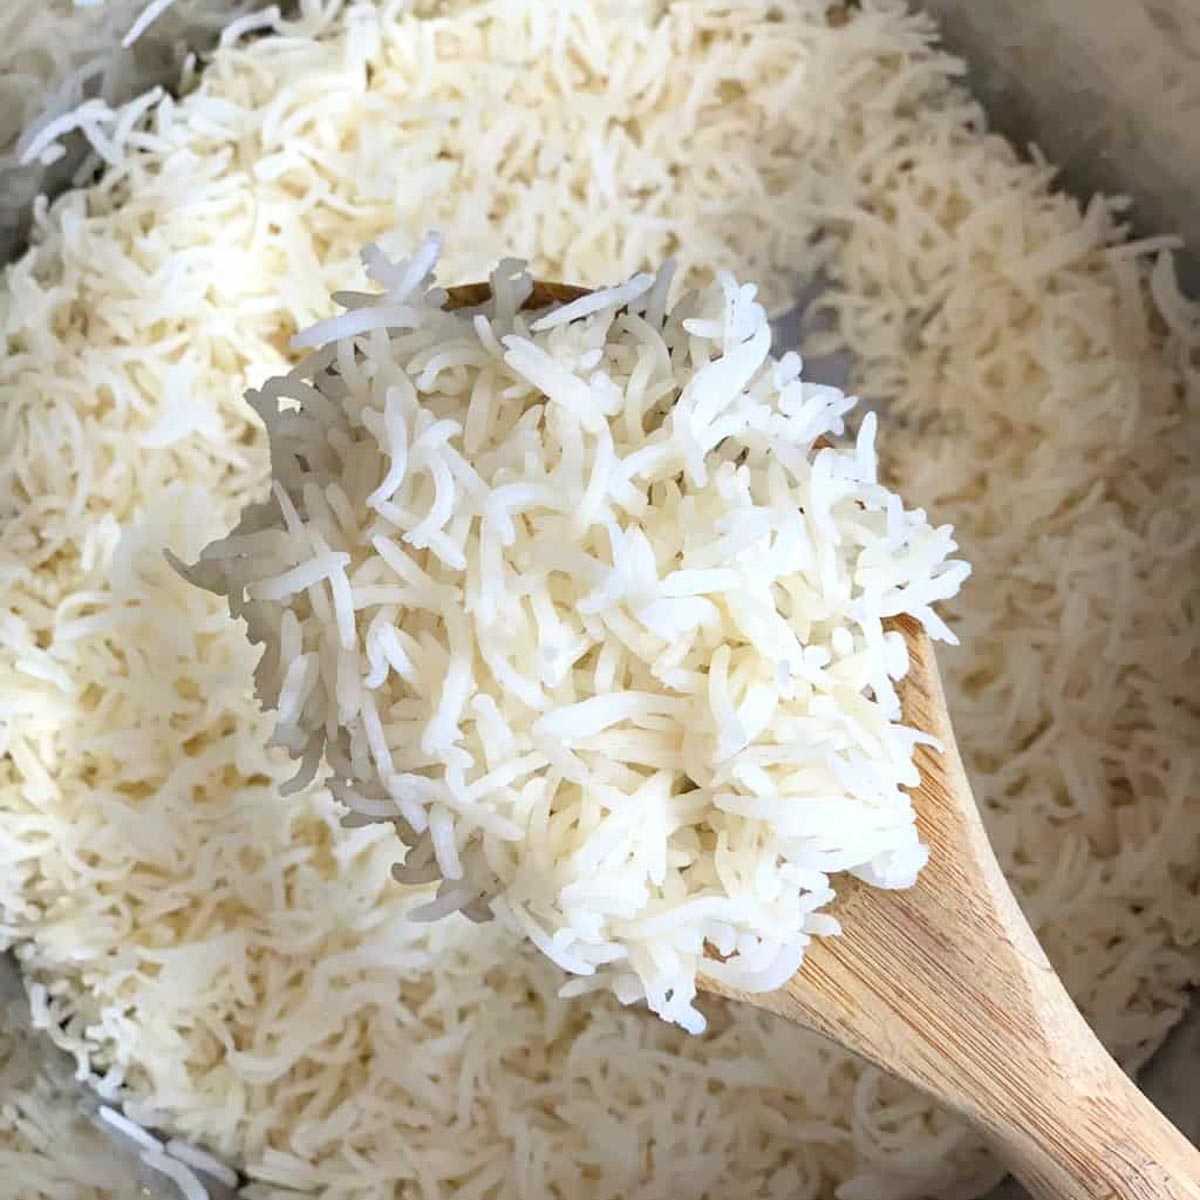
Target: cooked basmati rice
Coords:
[(178, 1172), (202, 1161), (667, 593), (49, 1149), (248, 964), (130, 1129), (64, 67)]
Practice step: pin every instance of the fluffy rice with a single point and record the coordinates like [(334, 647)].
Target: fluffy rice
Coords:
[(246, 965), (614, 661), (65, 68)]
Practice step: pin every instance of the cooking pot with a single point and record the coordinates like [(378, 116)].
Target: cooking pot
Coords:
[(1109, 90)]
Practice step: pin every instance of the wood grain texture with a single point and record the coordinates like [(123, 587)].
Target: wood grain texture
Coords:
[(468, 295), (946, 986)]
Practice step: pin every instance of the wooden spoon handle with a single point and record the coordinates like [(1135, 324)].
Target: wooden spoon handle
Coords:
[(1092, 1135), (945, 985)]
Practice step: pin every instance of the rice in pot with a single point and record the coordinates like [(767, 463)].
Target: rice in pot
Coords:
[(244, 963)]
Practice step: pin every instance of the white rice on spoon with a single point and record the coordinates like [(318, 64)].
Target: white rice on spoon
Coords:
[(580, 602)]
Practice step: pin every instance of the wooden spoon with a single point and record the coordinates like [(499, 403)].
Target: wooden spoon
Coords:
[(945, 985)]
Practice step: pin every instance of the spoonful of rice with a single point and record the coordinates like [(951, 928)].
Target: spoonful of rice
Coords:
[(584, 593)]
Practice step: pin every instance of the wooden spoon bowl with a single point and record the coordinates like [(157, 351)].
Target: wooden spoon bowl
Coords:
[(470, 295), (946, 986)]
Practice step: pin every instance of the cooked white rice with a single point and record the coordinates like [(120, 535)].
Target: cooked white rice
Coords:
[(66, 66), (580, 601), (245, 963)]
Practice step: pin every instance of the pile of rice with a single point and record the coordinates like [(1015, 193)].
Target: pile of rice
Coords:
[(65, 66), (243, 963), (581, 602)]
